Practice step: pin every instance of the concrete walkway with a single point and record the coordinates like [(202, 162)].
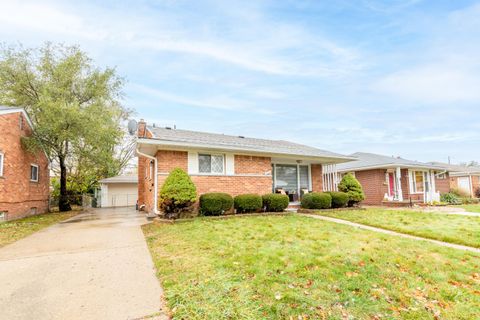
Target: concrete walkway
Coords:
[(385, 231), (93, 266)]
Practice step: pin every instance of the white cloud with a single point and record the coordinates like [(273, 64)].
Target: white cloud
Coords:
[(260, 45), (433, 84), (214, 102)]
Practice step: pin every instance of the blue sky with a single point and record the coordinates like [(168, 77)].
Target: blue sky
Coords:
[(392, 77)]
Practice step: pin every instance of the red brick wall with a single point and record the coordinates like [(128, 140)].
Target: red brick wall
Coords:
[(18, 195), (252, 165), (317, 183), (475, 183), (169, 160), (374, 185), (145, 184), (442, 185)]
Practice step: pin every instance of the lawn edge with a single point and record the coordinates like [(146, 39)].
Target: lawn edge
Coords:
[(410, 233)]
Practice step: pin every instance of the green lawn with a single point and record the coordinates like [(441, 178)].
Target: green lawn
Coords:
[(14, 230), (471, 207), (445, 227), (293, 267)]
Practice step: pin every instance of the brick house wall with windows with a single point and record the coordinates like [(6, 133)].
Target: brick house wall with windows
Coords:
[(375, 185), (22, 192), (231, 164)]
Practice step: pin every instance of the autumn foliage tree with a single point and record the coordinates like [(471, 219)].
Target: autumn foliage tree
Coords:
[(74, 106)]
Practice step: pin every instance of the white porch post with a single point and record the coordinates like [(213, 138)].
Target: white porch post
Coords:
[(398, 176), (432, 186)]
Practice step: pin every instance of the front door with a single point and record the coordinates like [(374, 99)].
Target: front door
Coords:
[(391, 184), (464, 184)]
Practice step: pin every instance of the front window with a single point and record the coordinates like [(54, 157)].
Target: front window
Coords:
[(211, 163), (441, 176), (34, 172), (1, 164), (418, 181)]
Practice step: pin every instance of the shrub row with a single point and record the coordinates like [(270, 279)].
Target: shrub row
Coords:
[(214, 204), (325, 200)]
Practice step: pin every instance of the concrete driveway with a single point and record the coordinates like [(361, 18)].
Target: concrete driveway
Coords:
[(93, 266)]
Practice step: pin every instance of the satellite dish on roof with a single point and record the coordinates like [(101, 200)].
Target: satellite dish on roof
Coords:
[(132, 127)]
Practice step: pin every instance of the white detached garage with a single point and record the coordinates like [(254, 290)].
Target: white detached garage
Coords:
[(119, 191)]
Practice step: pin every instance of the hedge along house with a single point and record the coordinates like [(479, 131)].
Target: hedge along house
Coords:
[(463, 178), (395, 181), (231, 164)]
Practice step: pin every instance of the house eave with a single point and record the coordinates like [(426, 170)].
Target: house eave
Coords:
[(186, 146)]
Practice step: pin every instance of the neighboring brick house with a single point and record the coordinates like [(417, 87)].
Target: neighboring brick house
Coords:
[(396, 181), (463, 178), (24, 176), (223, 163)]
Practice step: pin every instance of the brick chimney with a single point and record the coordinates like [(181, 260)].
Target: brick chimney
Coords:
[(142, 128)]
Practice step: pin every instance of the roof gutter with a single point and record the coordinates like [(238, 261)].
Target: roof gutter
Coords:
[(333, 158), (155, 184)]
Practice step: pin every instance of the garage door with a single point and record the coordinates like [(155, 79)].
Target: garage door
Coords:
[(464, 184)]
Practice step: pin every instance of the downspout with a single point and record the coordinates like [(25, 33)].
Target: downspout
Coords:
[(155, 183)]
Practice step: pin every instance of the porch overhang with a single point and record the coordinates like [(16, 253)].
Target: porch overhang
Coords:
[(391, 166)]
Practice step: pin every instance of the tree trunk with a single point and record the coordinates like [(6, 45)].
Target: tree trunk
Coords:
[(63, 203)]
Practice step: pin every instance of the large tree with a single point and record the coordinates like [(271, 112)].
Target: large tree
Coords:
[(75, 106)]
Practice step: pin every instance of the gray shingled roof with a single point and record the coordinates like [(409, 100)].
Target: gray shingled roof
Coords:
[(372, 160), (240, 143), (457, 168), (121, 179)]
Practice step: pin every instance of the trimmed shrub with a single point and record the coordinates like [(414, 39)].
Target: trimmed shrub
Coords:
[(353, 188), (178, 194), (275, 202), (450, 198), (245, 203), (215, 203), (316, 200), (339, 199)]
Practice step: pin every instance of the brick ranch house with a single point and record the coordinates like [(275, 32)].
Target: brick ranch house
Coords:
[(24, 177), (396, 181), (463, 178), (223, 163)]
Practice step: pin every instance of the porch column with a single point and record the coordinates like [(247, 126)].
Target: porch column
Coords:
[(398, 176), (433, 188)]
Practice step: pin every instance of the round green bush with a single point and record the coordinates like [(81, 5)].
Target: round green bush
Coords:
[(339, 199), (316, 200), (247, 203), (215, 203), (353, 188), (178, 194), (275, 202)]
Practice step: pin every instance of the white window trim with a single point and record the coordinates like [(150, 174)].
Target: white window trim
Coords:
[(38, 172), (2, 158), (413, 181), (223, 173)]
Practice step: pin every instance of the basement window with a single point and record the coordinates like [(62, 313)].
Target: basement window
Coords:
[(34, 172), (3, 215)]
